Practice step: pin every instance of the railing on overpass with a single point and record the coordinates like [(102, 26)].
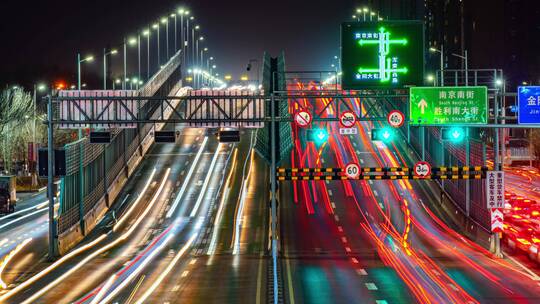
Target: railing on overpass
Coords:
[(103, 165)]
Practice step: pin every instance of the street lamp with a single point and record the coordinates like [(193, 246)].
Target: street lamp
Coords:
[(183, 12), (465, 59), (105, 54), (137, 41), (130, 41), (40, 87), (155, 26), (173, 15), (115, 82), (79, 61), (194, 45), (165, 21), (146, 33), (441, 51)]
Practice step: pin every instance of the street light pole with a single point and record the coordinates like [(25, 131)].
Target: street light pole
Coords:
[(466, 65), (147, 34), (165, 20), (186, 42), (156, 27), (124, 85), (104, 69), (182, 36), (173, 15), (105, 54), (79, 71), (139, 54), (441, 51)]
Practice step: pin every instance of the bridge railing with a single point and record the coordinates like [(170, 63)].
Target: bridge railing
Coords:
[(96, 173)]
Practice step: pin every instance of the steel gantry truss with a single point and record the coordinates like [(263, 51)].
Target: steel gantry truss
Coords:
[(84, 112), (255, 110)]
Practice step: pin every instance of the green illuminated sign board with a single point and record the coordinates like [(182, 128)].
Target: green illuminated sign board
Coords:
[(385, 54), (448, 105)]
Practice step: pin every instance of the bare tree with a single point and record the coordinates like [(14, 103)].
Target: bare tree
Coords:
[(16, 126)]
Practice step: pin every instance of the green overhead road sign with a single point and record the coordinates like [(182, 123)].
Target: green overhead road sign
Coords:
[(382, 54), (448, 105)]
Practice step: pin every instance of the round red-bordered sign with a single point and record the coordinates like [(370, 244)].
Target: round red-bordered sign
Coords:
[(422, 169), (395, 118), (302, 118), (347, 119), (352, 170)]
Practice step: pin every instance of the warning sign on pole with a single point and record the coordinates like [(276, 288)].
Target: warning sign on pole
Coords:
[(495, 189), (497, 220)]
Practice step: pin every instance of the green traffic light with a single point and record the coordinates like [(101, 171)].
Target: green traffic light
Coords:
[(454, 134), (320, 136), (384, 134)]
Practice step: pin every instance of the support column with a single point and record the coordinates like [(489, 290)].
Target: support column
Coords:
[(50, 180), (496, 236), (467, 181), (274, 199)]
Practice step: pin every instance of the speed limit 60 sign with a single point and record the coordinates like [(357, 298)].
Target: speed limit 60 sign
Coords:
[(422, 169), (352, 171)]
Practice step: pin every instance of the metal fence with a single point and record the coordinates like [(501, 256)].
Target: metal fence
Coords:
[(81, 189)]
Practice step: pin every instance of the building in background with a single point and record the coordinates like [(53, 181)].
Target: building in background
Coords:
[(496, 33)]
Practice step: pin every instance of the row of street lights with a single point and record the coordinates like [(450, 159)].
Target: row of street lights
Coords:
[(185, 18), (366, 14)]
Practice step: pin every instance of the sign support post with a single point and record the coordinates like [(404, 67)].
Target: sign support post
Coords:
[(50, 181), (496, 236), (274, 200)]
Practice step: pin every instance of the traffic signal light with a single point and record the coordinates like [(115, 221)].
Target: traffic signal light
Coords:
[(100, 137), (229, 136), (384, 134), (164, 137), (454, 134), (318, 135)]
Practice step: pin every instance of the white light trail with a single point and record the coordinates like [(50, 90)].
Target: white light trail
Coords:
[(188, 177), (206, 181)]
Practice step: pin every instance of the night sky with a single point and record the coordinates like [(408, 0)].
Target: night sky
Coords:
[(40, 39)]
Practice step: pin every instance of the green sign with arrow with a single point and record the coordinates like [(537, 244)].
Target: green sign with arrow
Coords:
[(448, 105)]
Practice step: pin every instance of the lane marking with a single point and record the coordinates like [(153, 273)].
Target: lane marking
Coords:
[(361, 271), (371, 286)]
